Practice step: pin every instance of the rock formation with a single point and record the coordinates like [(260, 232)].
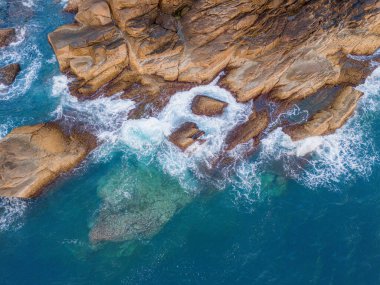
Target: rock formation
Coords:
[(206, 106), (283, 50), (7, 36), (251, 129), (8, 73), (187, 134), (328, 120), (31, 157)]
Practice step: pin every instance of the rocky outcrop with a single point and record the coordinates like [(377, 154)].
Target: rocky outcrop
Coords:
[(328, 120), (31, 157), (187, 134), (206, 106), (7, 36), (283, 50), (249, 130), (8, 73)]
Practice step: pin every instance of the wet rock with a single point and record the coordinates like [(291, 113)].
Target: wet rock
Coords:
[(138, 202), (31, 157), (7, 36), (263, 46), (187, 134), (251, 129), (328, 120), (8, 73), (206, 106)]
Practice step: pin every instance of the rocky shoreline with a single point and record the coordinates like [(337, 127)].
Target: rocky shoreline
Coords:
[(271, 51)]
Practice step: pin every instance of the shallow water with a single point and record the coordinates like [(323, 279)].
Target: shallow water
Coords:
[(294, 213)]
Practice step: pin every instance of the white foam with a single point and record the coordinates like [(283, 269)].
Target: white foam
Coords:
[(105, 115), (28, 3), (20, 36), (29, 53), (11, 212), (319, 161), (337, 158), (149, 136)]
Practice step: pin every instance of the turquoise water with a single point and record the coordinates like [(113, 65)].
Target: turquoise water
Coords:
[(277, 218)]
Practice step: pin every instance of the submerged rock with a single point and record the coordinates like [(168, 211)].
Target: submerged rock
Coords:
[(7, 36), (206, 106), (8, 73), (31, 157), (138, 202), (187, 134), (328, 120)]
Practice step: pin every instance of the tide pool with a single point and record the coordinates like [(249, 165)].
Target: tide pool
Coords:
[(293, 213)]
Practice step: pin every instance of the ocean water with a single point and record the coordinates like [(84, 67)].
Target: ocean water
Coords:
[(294, 213)]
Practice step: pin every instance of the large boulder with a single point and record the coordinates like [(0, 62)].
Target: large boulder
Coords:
[(187, 134), (31, 157), (8, 73), (96, 13), (6, 36), (206, 106)]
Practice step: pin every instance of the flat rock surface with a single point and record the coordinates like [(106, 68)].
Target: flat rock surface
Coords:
[(187, 134), (31, 157), (207, 106)]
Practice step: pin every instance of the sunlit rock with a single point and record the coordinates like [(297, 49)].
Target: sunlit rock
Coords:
[(328, 120), (206, 106), (283, 51), (187, 134), (31, 157)]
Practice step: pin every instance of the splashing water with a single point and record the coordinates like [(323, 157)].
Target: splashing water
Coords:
[(325, 161), (11, 212)]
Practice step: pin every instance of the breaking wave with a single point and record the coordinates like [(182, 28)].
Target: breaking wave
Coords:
[(324, 161), (30, 58), (314, 162)]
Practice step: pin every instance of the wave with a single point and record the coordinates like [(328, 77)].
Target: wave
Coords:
[(325, 161), (314, 162), (11, 213), (30, 58)]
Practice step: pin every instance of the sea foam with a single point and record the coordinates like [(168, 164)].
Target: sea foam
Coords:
[(314, 162), (11, 213)]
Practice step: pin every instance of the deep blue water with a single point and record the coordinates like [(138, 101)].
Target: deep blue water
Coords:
[(278, 218)]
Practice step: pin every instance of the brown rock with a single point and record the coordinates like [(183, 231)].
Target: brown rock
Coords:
[(31, 157), (187, 134), (328, 120), (8, 73), (251, 129), (94, 13), (206, 106), (7, 36), (263, 46)]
